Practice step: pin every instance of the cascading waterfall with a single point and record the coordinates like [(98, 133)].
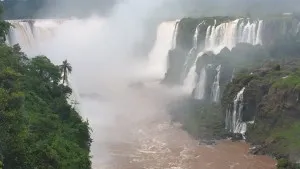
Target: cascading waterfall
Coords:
[(165, 40), (196, 34), (29, 34), (234, 122), (175, 33), (200, 87), (258, 39), (21, 33), (216, 85), (190, 57), (230, 33), (226, 35), (191, 79)]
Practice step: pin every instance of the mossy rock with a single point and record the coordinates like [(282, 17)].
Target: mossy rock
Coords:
[(284, 163)]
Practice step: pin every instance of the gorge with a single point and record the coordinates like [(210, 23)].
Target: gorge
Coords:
[(219, 77)]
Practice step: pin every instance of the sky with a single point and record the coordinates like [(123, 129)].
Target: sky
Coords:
[(170, 8)]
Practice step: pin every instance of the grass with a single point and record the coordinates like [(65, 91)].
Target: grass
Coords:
[(290, 135), (290, 82)]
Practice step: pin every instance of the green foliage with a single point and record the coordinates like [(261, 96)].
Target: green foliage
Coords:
[(288, 82), (284, 163), (39, 129), (4, 27), (288, 135), (271, 95), (65, 69)]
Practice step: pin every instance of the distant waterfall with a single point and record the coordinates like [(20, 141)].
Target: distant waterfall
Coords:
[(190, 81), (22, 33), (30, 33), (227, 35), (165, 40), (200, 87), (216, 85), (196, 34), (234, 122), (175, 33), (230, 33), (190, 57)]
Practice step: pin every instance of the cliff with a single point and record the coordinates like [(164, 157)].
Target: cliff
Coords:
[(245, 78)]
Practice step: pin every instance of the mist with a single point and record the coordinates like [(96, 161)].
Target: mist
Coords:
[(102, 52)]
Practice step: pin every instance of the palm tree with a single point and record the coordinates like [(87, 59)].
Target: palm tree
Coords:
[(65, 69)]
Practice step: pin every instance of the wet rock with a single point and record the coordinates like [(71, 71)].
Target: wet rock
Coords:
[(236, 136)]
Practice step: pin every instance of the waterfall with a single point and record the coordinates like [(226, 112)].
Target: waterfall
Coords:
[(165, 40), (234, 122), (21, 33), (227, 34), (258, 40), (216, 85), (190, 57), (230, 33), (200, 88), (189, 82), (175, 33), (29, 34), (196, 34)]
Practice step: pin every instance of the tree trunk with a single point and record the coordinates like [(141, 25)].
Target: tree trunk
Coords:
[(65, 76)]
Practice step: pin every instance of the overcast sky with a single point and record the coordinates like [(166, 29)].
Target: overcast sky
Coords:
[(170, 8)]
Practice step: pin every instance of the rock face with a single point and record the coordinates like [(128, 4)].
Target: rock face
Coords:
[(271, 101), (257, 81)]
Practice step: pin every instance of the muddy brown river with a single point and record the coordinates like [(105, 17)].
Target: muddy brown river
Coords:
[(133, 131)]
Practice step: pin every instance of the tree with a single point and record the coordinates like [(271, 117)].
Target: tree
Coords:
[(4, 27), (65, 69)]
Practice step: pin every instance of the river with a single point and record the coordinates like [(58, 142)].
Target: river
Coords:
[(133, 131)]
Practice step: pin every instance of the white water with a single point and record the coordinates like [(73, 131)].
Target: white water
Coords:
[(30, 37), (227, 35), (175, 33), (200, 87), (190, 81), (234, 122), (165, 40), (189, 57), (216, 85)]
